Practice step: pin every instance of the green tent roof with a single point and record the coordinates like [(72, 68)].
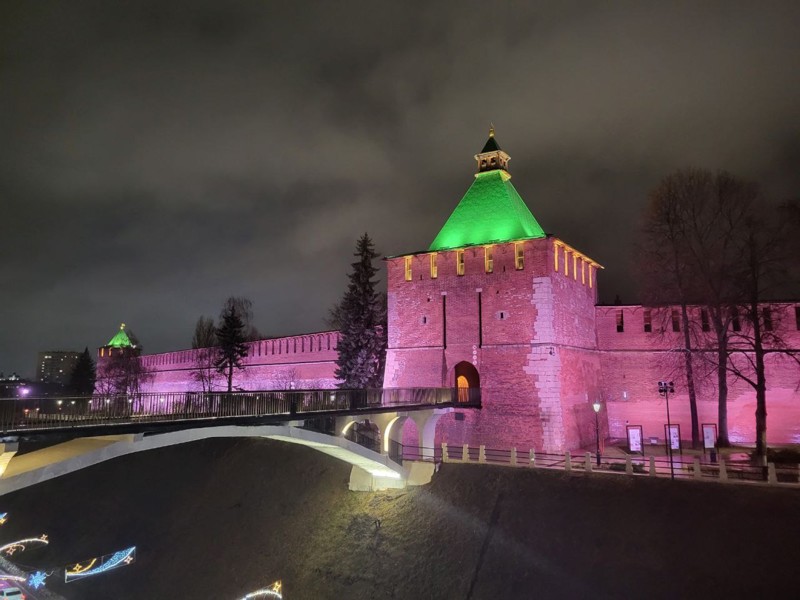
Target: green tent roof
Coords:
[(490, 212), (121, 340)]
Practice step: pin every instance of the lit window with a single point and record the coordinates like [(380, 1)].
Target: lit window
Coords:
[(408, 268), (620, 322), (590, 275), (519, 257), (434, 266), (575, 267), (566, 262), (648, 322), (555, 257), (488, 259), (459, 262)]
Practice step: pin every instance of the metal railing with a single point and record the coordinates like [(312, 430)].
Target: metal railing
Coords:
[(686, 468), (27, 414)]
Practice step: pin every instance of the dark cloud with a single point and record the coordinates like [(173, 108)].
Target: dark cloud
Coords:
[(157, 157)]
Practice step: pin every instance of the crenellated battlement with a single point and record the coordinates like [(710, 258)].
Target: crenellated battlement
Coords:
[(282, 350)]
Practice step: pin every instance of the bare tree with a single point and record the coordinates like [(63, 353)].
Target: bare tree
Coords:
[(691, 255), (286, 379), (665, 272), (767, 258), (204, 341), (122, 374)]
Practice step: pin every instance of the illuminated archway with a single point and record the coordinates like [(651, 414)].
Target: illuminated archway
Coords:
[(466, 378)]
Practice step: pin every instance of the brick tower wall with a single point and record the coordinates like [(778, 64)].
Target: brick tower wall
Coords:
[(532, 320)]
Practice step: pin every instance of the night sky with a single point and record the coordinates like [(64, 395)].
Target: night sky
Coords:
[(157, 157)]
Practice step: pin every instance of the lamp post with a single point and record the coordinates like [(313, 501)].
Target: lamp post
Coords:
[(665, 388), (596, 407)]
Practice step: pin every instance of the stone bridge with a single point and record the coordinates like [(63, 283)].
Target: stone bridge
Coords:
[(97, 429)]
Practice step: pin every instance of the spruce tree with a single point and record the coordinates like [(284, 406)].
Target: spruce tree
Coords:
[(231, 347), (362, 323), (83, 375)]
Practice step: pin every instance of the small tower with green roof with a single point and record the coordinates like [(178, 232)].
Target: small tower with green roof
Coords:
[(501, 311), (123, 341)]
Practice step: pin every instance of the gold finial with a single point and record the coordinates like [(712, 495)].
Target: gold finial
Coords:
[(491, 129), (121, 326)]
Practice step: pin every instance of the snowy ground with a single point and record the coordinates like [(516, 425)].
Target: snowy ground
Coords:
[(220, 518)]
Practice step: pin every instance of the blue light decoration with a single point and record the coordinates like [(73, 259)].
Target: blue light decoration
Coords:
[(101, 564), (3, 518), (36, 580), (272, 591)]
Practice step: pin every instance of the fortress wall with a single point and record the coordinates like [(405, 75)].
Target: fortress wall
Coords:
[(633, 361), (299, 362)]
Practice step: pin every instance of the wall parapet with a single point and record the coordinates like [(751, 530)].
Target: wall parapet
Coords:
[(322, 345)]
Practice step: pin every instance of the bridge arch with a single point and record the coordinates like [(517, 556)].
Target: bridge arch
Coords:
[(371, 470)]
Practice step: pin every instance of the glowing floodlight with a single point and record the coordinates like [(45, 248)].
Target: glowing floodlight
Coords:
[(102, 564), (22, 545), (273, 591)]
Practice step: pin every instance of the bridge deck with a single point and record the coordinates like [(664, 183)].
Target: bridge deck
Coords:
[(102, 414)]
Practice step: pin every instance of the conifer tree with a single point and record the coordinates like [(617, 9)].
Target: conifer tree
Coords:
[(231, 347), (362, 323), (82, 378)]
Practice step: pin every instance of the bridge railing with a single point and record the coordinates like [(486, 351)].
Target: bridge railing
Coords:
[(696, 468), (21, 414)]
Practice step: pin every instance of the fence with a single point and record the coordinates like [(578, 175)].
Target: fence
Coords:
[(27, 414), (731, 471)]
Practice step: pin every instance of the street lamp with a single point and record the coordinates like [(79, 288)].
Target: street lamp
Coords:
[(596, 407), (665, 388)]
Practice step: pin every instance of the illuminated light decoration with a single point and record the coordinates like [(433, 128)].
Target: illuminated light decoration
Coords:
[(22, 545), (3, 518), (347, 427), (585, 262), (555, 256), (16, 578), (36, 580), (108, 562), (273, 591)]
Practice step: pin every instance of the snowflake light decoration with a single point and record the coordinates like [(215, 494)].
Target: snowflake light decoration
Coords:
[(36, 580)]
